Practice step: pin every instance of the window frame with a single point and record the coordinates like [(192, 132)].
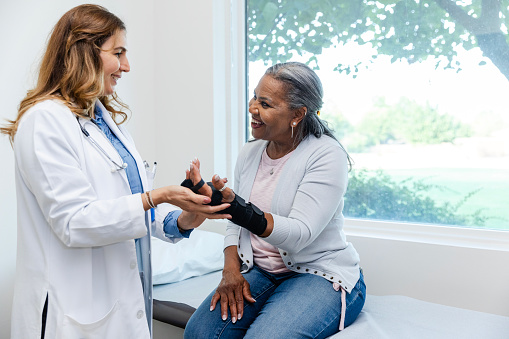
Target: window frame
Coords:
[(390, 230), (229, 84), (429, 234)]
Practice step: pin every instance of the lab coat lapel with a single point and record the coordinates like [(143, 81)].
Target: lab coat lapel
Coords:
[(128, 143), (99, 137)]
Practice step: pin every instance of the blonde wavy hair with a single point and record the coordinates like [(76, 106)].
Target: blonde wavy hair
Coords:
[(71, 69)]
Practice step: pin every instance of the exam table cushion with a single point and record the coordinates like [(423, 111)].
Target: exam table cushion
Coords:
[(200, 254), (395, 316), (383, 317)]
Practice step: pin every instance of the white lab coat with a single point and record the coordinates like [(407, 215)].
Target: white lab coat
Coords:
[(77, 221)]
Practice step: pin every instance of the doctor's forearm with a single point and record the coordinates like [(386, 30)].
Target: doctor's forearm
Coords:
[(144, 200), (158, 196)]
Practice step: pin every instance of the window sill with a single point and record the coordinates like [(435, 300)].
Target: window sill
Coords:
[(429, 234)]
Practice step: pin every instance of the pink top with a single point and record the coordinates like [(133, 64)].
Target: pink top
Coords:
[(265, 255)]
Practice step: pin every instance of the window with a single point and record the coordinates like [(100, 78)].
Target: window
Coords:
[(415, 90)]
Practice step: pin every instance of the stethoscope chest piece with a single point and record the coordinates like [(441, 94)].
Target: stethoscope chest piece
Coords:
[(115, 169)]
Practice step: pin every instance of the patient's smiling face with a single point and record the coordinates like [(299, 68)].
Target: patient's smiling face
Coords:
[(270, 113)]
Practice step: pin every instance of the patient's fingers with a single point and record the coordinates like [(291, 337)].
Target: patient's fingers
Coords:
[(230, 295), (195, 176), (239, 301), (194, 169), (224, 306), (232, 303), (222, 297), (220, 184), (246, 293), (215, 299)]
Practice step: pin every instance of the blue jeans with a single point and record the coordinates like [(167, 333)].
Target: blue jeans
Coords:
[(288, 305)]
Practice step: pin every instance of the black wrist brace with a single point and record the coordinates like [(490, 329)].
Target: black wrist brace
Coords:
[(243, 214), (246, 215)]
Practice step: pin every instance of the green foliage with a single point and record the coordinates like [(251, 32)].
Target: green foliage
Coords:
[(404, 29), (377, 196), (405, 122)]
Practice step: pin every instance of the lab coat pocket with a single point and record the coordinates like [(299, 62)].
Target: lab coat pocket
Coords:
[(109, 326)]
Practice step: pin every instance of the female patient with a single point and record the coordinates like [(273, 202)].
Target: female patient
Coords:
[(84, 195), (289, 271)]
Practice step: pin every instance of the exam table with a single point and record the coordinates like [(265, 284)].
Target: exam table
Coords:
[(389, 316)]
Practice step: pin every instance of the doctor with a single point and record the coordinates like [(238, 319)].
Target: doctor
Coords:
[(84, 196)]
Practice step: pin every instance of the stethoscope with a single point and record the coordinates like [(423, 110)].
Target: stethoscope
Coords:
[(116, 167)]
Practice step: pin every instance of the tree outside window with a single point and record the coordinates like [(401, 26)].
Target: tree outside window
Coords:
[(415, 90)]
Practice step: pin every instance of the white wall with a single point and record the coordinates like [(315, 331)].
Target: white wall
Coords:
[(170, 51), (178, 90), (184, 96), (457, 267)]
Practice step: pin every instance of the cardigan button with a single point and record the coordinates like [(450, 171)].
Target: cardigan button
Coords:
[(133, 264), (284, 253), (139, 315)]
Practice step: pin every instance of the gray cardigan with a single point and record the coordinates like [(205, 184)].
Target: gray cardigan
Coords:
[(307, 209)]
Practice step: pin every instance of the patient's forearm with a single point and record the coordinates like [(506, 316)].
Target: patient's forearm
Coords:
[(231, 259)]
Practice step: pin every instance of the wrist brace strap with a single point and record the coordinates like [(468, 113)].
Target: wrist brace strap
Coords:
[(189, 184), (246, 215), (216, 198)]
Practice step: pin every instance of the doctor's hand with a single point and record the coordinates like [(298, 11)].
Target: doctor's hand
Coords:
[(232, 289), (187, 201)]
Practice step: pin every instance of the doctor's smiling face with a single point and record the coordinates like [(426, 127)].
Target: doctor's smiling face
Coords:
[(114, 59)]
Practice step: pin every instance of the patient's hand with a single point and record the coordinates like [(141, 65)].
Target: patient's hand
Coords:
[(194, 174), (219, 183)]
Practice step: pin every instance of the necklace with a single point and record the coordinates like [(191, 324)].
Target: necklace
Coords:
[(281, 160)]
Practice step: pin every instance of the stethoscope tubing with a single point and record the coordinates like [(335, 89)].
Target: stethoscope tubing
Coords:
[(116, 167)]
